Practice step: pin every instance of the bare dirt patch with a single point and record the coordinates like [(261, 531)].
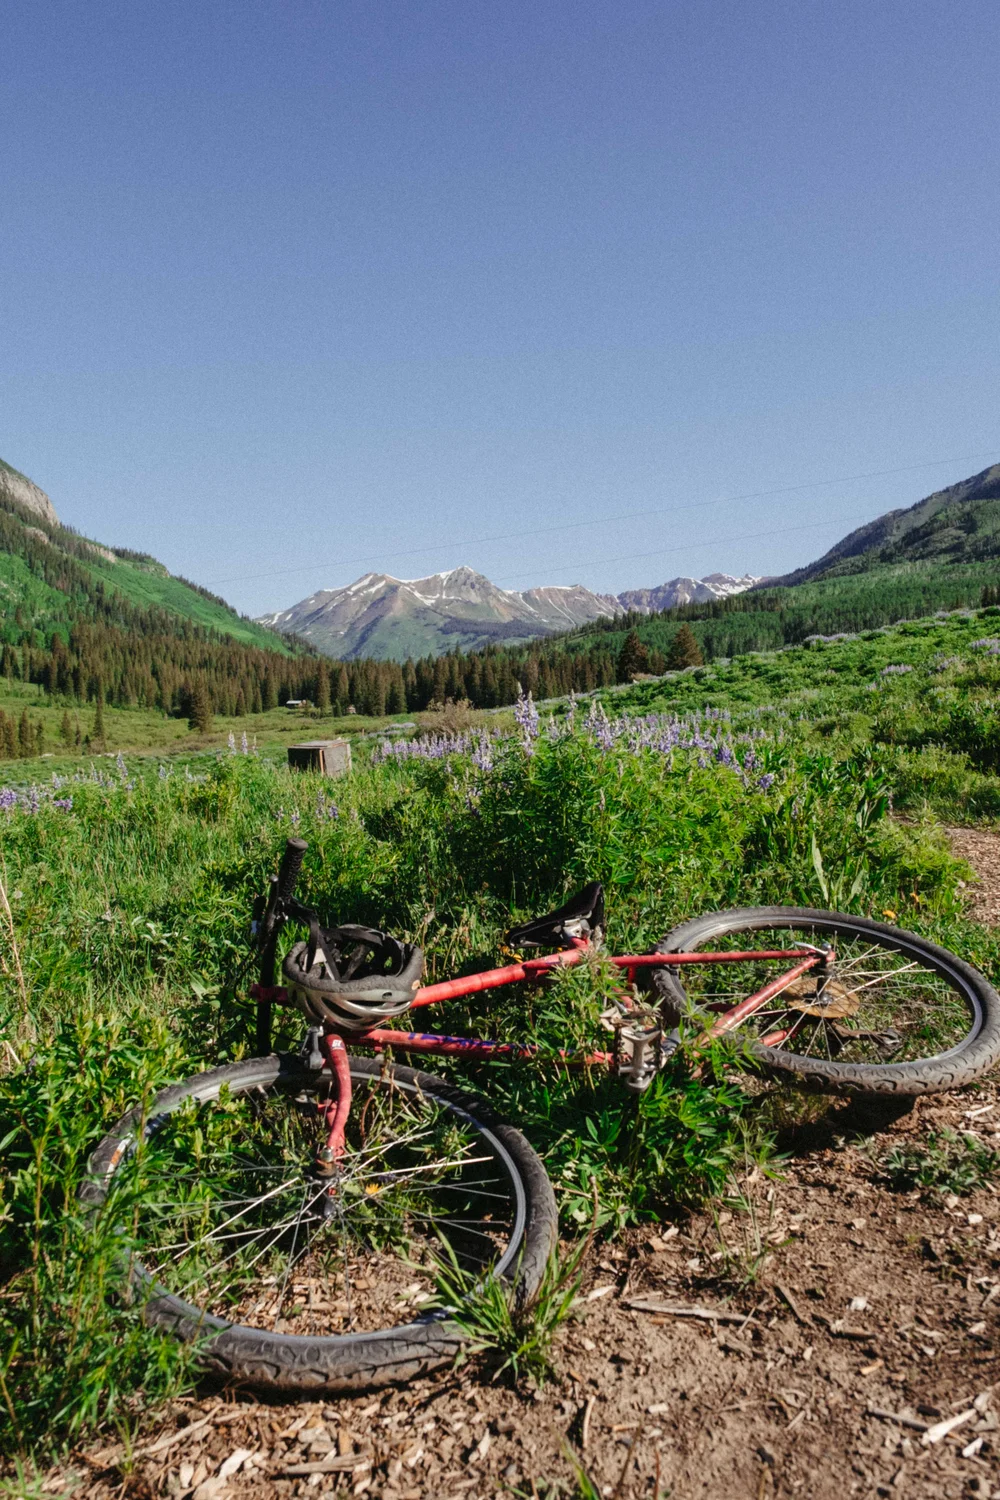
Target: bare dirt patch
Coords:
[(872, 1319), (980, 849)]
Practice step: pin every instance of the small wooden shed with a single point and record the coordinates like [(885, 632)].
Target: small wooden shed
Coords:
[(328, 757)]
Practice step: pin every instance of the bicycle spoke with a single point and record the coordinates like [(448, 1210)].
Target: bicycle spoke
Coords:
[(229, 1200)]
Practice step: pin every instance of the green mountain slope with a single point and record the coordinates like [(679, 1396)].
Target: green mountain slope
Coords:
[(51, 577), (960, 524)]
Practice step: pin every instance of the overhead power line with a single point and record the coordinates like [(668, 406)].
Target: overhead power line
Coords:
[(565, 526), (750, 536)]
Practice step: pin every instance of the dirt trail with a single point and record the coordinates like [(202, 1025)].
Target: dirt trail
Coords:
[(868, 1301), (981, 849)]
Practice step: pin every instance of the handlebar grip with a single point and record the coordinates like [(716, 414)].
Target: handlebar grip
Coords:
[(291, 864)]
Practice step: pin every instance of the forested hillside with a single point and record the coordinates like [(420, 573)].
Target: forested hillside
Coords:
[(958, 524), (89, 623), (760, 620)]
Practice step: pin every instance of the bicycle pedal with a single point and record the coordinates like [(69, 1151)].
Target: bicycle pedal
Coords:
[(638, 1055)]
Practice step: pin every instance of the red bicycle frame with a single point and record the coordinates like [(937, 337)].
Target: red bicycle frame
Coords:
[(332, 1041)]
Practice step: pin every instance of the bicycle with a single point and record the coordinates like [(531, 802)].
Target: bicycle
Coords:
[(286, 1210)]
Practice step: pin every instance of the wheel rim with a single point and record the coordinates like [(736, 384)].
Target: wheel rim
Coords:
[(222, 1203), (882, 1002)]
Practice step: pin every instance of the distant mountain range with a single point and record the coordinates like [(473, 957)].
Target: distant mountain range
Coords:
[(395, 618)]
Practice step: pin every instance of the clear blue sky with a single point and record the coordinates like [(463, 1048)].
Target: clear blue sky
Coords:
[(293, 290)]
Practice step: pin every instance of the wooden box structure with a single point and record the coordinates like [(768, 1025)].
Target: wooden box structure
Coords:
[(328, 757)]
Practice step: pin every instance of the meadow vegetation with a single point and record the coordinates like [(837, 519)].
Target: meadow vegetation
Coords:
[(127, 886)]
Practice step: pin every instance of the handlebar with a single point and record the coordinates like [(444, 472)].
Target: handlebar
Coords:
[(291, 865), (282, 889)]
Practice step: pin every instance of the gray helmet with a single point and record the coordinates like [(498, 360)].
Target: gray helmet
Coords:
[(353, 976)]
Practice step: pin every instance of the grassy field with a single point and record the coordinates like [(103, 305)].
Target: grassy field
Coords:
[(127, 884), (149, 732)]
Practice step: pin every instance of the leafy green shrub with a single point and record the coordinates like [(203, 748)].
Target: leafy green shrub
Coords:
[(945, 1163)]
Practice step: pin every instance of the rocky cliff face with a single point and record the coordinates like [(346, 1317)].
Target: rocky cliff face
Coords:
[(15, 486)]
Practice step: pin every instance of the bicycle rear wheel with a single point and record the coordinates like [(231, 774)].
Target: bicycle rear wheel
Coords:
[(291, 1286), (893, 1014)]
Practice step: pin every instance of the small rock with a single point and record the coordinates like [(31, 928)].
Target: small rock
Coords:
[(234, 1462), (210, 1489)]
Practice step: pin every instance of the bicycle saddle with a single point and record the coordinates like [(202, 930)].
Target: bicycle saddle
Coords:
[(582, 916)]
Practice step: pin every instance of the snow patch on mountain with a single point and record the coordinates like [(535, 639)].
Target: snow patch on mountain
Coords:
[(393, 618)]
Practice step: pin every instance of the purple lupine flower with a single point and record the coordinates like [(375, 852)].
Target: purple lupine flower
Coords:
[(8, 798), (526, 719), (232, 743), (65, 803), (598, 727), (766, 782), (895, 671), (482, 755), (989, 643)]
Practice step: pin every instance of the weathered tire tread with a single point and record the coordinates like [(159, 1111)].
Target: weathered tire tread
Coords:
[(348, 1363), (973, 1057)]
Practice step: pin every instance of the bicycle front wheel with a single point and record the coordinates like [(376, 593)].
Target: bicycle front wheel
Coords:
[(891, 1014), (294, 1281)]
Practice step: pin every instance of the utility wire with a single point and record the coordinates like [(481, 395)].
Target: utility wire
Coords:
[(750, 536), (565, 526)]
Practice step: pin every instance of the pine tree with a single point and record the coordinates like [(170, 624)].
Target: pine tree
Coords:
[(25, 738), (39, 738), (200, 712), (684, 651), (97, 733), (632, 658), (66, 729), (323, 688)]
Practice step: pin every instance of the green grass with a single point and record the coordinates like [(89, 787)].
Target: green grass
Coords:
[(506, 1336), (19, 586), (150, 732), (129, 914), (147, 588), (945, 1163)]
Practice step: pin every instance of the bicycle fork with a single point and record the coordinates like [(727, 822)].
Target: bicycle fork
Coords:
[(335, 1110)]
